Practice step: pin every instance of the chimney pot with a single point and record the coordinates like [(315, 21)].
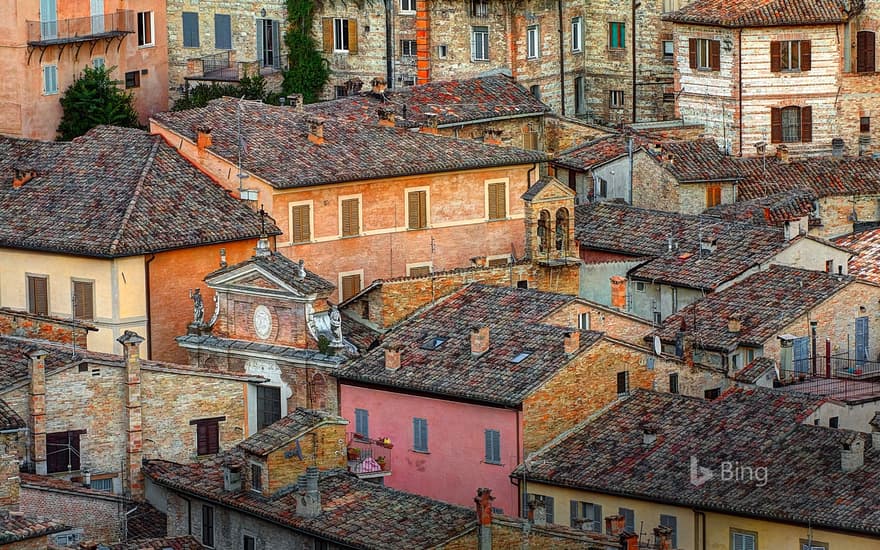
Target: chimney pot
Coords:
[(430, 125), (734, 324), (663, 536), (837, 147), (618, 292), (316, 130), (386, 116), (572, 342), (231, 477), (379, 84), (538, 511), (479, 340), (308, 498), (203, 138), (614, 525), (296, 102), (484, 500), (852, 453), (782, 154), (492, 136), (649, 433), (392, 357)]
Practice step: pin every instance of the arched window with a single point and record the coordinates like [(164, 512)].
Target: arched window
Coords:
[(319, 392), (562, 229), (543, 231)]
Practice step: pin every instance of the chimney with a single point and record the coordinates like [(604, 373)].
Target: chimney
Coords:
[(484, 518), (618, 292), (37, 420), (134, 441), (875, 431), (663, 536), (203, 138), (231, 477), (430, 125), (852, 453), (614, 525), (656, 147), (308, 497), (378, 86), (629, 541), (222, 257), (10, 483), (22, 176), (734, 324), (392, 357), (386, 116), (538, 511), (296, 102), (572, 342), (786, 343), (668, 159), (837, 148), (316, 130), (782, 154), (492, 136), (786, 231), (479, 339), (649, 433), (87, 478), (708, 246)]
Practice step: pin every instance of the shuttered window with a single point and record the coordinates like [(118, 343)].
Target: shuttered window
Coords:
[(790, 55), (865, 52), (222, 32), (207, 525), (493, 447), (744, 541), (704, 54), (339, 35), (616, 35), (83, 300), (38, 295), (350, 217), (417, 202), (791, 125), (207, 436), (50, 79), (351, 285), (420, 435), (300, 222), (713, 195), (190, 30), (497, 200), (362, 422), (420, 271)]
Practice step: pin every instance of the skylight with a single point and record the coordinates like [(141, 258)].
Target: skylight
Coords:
[(520, 357), (433, 343)]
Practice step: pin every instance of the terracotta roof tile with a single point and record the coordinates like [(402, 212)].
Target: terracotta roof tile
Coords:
[(823, 176), (698, 160), (773, 209), (9, 419), (188, 542), (286, 429), (285, 269), (755, 370), (765, 13), (597, 151), (16, 528), (866, 265)]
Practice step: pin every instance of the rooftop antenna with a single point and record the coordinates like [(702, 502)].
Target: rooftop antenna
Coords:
[(73, 321), (241, 147)]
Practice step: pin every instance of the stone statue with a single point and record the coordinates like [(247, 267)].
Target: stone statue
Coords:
[(198, 307), (336, 324), (301, 270)]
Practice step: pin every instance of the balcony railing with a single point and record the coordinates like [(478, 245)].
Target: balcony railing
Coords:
[(845, 388), (80, 29), (369, 457)]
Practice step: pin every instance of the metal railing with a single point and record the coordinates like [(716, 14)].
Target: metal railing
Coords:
[(368, 456), (845, 388), (80, 28)]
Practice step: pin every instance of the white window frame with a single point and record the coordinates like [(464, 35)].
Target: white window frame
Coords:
[(54, 71), (359, 273), (787, 57), (152, 41), (584, 320), (311, 205), (340, 35), (442, 51), (407, 6), (406, 193), (735, 533), (577, 34), (533, 42), (671, 55), (704, 62), (98, 62), (411, 46), (480, 32), (360, 228)]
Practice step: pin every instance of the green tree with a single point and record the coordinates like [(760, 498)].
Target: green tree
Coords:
[(309, 71), (94, 99)]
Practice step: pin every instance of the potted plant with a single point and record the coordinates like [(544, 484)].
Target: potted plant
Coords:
[(385, 442), (381, 462), (354, 453)]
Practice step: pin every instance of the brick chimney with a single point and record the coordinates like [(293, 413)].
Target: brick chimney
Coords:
[(618, 292), (316, 130), (629, 541), (22, 176), (649, 432), (614, 525), (203, 138), (296, 102), (37, 420), (308, 497), (379, 84), (479, 339), (386, 116), (734, 324), (133, 415), (663, 536), (492, 136), (484, 500), (572, 342), (782, 154), (231, 477), (392, 357), (852, 453), (430, 125)]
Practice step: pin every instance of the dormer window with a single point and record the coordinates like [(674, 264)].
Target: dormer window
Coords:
[(520, 357), (256, 477), (433, 343)]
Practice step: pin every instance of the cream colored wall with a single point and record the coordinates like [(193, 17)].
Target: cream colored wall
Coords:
[(809, 254), (120, 299), (772, 535)]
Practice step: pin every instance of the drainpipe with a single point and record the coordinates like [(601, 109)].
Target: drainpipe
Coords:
[(561, 61), (740, 90), (635, 4), (389, 53), (149, 312)]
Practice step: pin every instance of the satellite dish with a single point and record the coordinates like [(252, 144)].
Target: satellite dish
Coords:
[(658, 345)]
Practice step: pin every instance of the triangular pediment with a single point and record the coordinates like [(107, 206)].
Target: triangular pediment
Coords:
[(548, 188), (253, 279)]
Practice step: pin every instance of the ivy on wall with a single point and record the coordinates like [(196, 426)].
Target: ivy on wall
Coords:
[(308, 71)]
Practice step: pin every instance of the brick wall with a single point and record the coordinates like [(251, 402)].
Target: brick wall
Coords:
[(614, 324), (653, 186), (46, 328), (99, 517), (323, 447), (36, 543)]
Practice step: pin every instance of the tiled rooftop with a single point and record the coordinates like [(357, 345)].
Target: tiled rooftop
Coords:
[(16, 528), (277, 148), (597, 151), (513, 317), (9, 419), (453, 101), (867, 264), (754, 371), (757, 428), (137, 193), (766, 302), (698, 160), (27, 154), (286, 270), (824, 176), (188, 542), (765, 13), (287, 429), (773, 209)]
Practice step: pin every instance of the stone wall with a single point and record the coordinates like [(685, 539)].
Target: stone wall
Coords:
[(97, 515), (324, 447), (29, 325)]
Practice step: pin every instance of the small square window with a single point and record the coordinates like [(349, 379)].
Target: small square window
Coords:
[(520, 357), (522, 284), (442, 51), (834, 422), (407, 48), (615, 99), (407, 6), (433, 343), (340, 91), (668, 50), (133, 79), (714, 393), (640, 286), (865, 124), (480, 8)]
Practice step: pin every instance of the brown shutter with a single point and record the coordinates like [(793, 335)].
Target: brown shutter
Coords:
[(83, 304), (201, 438), (775, 62), (417, 217), (715, 55), (350, 225), (38, 295), (807, 124), (775, 125), (497, 201), (300, 222), (327, 30), (806, 55), (351, 285), (692, 52), (865, 52), (213, 436), (352, 36)]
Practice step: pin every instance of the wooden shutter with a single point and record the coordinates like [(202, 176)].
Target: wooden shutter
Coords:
[(327, 33), (775, 58), (350, 225), (497, 201), (38, 295), (775, 125), (351, 285), (806, 55), (713, 195), (84, 307), (807, 124), (352, 36), (865, 52), (421, 271), (692, 52), (715, 55), (301, 228), (417, 209)]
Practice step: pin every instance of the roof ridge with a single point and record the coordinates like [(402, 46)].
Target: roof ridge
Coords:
[(135, 196)]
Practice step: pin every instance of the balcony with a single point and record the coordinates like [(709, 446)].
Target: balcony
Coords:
[(222, 67), (369, 458), (79, 31)]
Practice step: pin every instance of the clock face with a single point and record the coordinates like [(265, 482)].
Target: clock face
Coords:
[(262, 321)]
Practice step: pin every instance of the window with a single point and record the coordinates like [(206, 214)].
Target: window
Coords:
[(38, 295), (433, 343), (712, 394), (713, 195), (417, 209), (256, 478), (268, 43), (704, 55), (145, 28), (442, 51), (497, 197), (530, 134), (407, 48), (865, 44), (813, 545), (420, 435), (670, 5), (601, 188), (498, 262), (190, 30), (615, 99), (829, 266), (340, 35), (340, 91), (629, 518), (865, 124), (668, 50), (529, 499), (418, 271), (616, 35), (362, 422), (657, 318), (520, 357), (790, 55), (535, 90), (640, 286), (133, 79), (493, 447), (480, 8), (351, 285), (584, 321), (532, 42), (50, 79), (248, 543), (103, 484), (83, 300), (207, 525), (268, 406), (522, 284), (98, 62), (207, 435), (672, 523), (622, 382), (586, 516), (791, 124), (480, 43), (834, 422), (62, 451), (562, 230), (579, 95), (350, 214), (300, 223), (577, 34), (743, 541), (673, 382), (222, 31), (407, 6)]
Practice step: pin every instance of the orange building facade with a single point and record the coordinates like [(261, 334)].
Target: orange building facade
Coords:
[(47, 44)]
